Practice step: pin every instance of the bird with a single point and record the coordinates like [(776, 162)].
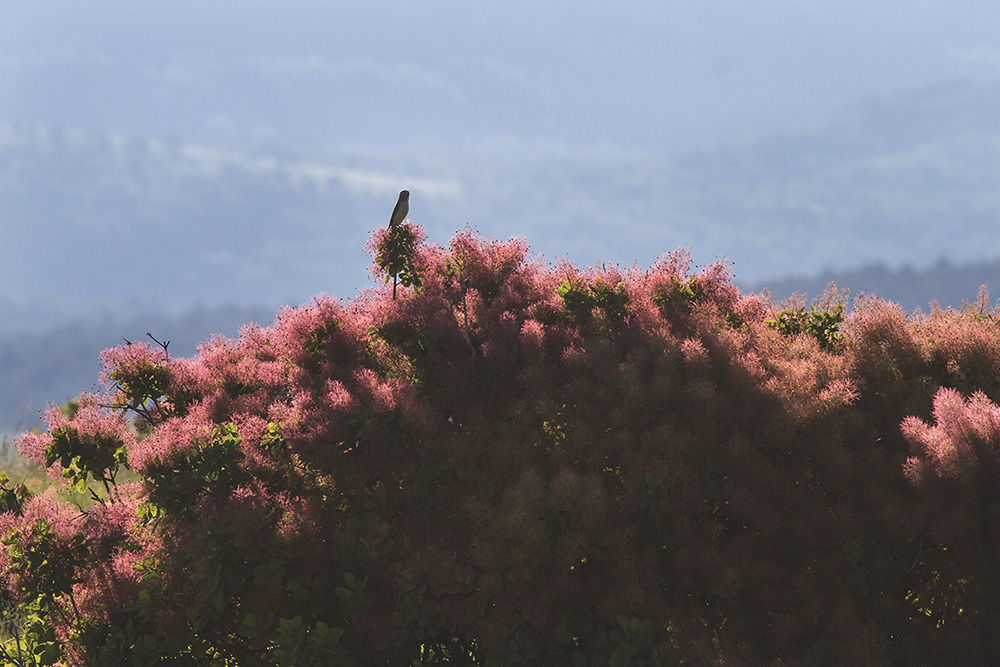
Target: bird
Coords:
[(401, 209), (398, 215)]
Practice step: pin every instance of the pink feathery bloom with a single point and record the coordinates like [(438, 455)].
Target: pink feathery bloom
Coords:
[(130, 358), (532, 333), (966, 434), (340, 398), (175, 433), (694, 354), (99, 429), (382, 391)]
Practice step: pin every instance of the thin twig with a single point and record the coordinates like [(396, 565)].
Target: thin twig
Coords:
[(163, 345)]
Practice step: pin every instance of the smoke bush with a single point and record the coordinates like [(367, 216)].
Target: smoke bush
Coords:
[(512, 463)]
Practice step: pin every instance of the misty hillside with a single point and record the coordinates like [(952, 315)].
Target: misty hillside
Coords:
[(944, 283), (105, 220), (54, 366)]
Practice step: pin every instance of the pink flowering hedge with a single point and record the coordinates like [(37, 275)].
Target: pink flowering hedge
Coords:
[(513, 463)]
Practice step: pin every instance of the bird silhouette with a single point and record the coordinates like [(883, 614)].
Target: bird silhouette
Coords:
[(401, 209), (398, 215)]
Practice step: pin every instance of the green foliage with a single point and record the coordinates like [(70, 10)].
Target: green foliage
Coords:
[(86, 455), (395, 255), (295, 643), (141, 383), (210, 464), (12, 497), (823, 325), (34, 645), (581, 298), (677, 291), (47, 568)]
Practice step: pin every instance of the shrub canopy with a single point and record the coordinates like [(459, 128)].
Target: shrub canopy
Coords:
[(512, 463)]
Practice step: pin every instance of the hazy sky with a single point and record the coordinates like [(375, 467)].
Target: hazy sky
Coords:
[(635, 75), (629, 82)]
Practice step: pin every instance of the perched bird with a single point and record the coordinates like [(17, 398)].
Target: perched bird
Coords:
[(398, 215), (402, 208)]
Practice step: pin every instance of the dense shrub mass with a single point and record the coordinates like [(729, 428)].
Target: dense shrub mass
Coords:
[(512, 463)]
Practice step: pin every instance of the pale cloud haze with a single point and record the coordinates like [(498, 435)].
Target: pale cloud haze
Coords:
[(258, 141), (640, 75)]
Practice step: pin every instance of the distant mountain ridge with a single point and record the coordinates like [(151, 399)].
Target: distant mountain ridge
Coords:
[(93, 217), (947, 285), (903, 179), (54, 366)]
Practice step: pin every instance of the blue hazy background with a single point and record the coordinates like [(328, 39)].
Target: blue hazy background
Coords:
[(187, 166)]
